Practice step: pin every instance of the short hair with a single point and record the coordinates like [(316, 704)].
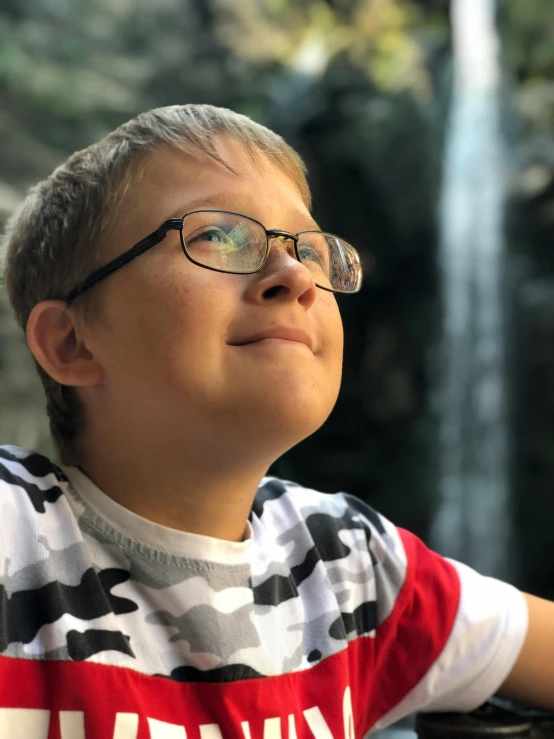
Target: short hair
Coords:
[(53, 241)]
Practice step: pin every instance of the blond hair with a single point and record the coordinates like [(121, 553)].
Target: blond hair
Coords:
[(54, 239)]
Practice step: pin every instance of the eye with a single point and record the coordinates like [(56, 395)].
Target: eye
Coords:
[(314, 248), (308, 253), (209, 235)]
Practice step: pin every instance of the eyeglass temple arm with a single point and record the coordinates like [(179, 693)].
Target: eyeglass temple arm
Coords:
[(123, 259)]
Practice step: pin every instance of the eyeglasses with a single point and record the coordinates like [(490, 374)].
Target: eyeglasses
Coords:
[(224, 241)]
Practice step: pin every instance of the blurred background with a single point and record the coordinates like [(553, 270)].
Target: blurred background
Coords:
[(428, 132)]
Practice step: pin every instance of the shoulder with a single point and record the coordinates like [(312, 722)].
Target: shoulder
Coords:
[(346, 531), (28, 479), (360, 549), (287, 504)]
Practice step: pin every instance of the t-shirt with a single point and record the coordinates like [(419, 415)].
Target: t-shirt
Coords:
[(325, 622)]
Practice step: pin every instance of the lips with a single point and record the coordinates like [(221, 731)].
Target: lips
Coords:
[(278, 332)]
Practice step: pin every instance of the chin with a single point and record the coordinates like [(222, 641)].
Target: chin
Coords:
[(292, 418)]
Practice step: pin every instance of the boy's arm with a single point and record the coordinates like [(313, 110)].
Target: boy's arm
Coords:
[(531, 680)]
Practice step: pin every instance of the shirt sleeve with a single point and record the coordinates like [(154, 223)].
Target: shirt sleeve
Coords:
[(482, 623)]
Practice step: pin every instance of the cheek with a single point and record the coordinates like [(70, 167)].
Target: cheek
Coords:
[(332, 329), (338, 356), (146, 323), (175, 330)]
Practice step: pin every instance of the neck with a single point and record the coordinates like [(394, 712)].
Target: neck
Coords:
[(213, 498)]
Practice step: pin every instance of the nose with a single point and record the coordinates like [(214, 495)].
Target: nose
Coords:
[(283, 277), (284, 241)]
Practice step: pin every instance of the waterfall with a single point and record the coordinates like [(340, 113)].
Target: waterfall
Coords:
[(472, 519)]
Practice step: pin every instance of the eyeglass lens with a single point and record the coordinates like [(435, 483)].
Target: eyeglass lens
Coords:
[(232, 243)]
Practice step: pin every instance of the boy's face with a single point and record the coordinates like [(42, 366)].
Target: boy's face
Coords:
[(171, 338)]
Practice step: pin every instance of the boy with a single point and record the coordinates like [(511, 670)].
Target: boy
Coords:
[(178, 299)]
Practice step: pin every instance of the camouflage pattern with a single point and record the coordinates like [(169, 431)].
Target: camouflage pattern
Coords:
[(318, 571)]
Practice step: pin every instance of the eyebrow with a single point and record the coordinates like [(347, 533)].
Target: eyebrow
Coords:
[(214, 201), (224, 201)]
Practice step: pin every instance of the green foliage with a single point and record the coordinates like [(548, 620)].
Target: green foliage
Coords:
[(529, 31), (529, 54)]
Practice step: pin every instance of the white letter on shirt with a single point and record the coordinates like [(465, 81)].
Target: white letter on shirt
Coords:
[(292, 727), (210, 731), (126, 726), (348, 714), (32, 723), (72, 724), (272, 728), (162, 730), (317, 723)]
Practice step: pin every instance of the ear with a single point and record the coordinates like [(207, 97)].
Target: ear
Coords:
[(54, 339)]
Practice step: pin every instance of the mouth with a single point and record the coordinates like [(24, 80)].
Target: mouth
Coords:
[(278, 335), (274, 343)]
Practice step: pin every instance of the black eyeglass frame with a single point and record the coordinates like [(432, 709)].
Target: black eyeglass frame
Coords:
[(177, 224)]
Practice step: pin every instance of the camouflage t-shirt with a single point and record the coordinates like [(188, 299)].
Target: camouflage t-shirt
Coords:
[(325, 621)]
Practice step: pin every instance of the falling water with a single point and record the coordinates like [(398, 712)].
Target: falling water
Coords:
[(472, 522)]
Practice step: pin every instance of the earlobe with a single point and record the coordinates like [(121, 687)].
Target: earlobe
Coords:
[(54, 339)]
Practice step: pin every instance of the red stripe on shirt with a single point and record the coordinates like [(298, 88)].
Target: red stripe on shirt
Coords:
[(413, 636)]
